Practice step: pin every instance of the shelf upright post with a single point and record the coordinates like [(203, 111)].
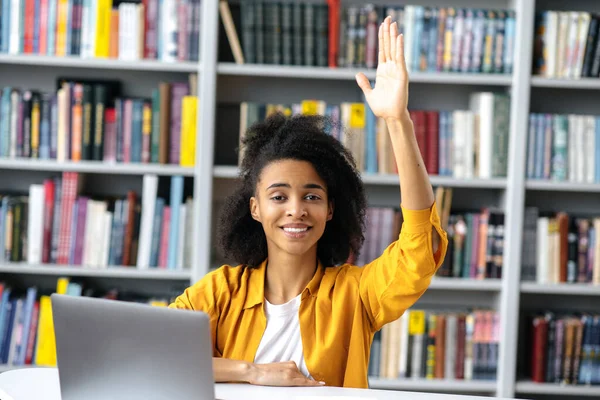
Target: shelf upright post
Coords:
[(515, 197), (203, 170)]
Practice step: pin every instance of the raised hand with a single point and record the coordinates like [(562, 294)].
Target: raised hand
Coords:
[(280, 374), (389, 98)]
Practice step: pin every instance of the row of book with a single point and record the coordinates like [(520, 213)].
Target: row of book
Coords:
[(463, 143), (564, 348), (26, 325), (336, 35), (560, 248), (91, 120), (167, 30), (56, 224), (435, 345), (566, 44), (564, 147)]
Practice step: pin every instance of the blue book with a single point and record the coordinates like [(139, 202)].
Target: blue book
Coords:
[(8, 326), (51, 48), (157, 227), (5, 122), (4, 314), (136, 131), (29, 303), (5, 28), (433, 39), (416, 44), (175, 202), (509, 41), (539, 147), (113, 229), (36, 27), (530, 174), (3, 212)]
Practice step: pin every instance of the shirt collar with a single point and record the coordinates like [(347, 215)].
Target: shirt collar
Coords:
[(256, 284)]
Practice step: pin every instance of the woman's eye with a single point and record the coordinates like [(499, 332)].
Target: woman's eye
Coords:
[(312, 197), (277, 198)]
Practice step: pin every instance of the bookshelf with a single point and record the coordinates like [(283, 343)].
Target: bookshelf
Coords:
[(95, 167), (221, 82)]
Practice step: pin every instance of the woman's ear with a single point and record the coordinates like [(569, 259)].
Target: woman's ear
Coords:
[(330, 211), (254, 211)]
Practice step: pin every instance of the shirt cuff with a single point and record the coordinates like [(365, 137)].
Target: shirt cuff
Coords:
[(420, 221)]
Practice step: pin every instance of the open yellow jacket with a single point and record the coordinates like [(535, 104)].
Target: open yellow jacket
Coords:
[(341, 307)]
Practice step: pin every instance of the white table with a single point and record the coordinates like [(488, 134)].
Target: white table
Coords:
[(42, 383)]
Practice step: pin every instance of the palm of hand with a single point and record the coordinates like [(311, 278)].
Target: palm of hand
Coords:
[(389, 98)]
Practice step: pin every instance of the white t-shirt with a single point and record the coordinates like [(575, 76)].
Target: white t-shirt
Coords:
[(282, 340)]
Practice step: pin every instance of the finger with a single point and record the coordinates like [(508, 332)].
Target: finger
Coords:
[(393, 40), (381, 54), (386, 38), (363, 83), (303, 381), (400, 61)]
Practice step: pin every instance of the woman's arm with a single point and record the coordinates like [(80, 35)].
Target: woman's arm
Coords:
[(272, 374), (395, 280), (389, 100)]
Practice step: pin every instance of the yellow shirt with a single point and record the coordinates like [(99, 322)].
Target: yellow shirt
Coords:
[(341, 307)]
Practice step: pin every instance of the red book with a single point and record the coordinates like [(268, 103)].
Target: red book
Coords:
[(32, 333), (49, 194), (418, 119), (432, 140), (70, 183), (110, 135), (164, 238), (334, 32), (28, 26), (43, 26), (538, 354), (461, 335)]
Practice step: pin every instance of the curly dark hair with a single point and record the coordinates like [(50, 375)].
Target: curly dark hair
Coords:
[(303, 138)]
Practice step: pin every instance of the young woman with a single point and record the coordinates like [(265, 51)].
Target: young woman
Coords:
[(293, 312)]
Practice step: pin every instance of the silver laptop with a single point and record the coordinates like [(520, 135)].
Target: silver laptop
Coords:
[(109, 349)]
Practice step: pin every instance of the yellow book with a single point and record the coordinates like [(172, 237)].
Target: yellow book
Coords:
[(62, 14), (146, 132), (187, 156), (103, 28), (35, 129), (45, 353)]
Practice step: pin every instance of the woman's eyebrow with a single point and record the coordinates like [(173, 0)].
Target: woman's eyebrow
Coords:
[(287, 185)]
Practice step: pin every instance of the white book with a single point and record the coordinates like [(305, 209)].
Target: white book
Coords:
[(181, 240), (551, 43), (561, 52), (92, 28), (98, 233), (459, 144), (404, 349), (35, 224), (88, 239), (16, 28), (150, 187), (169, 30), (542, 273), (108, 219), (85, 50), (590, 147), (582, 34), (482, 105), (64, 100), (450, 350), (469, 332), (469, 126), (571, 44)]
